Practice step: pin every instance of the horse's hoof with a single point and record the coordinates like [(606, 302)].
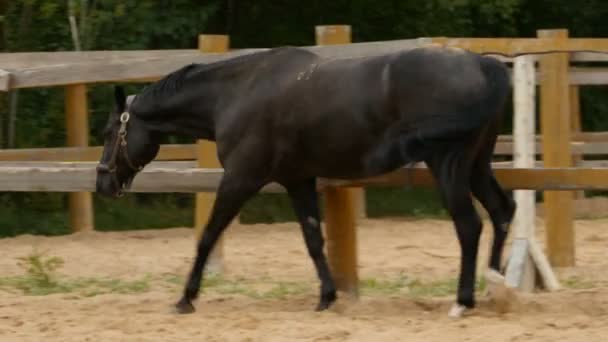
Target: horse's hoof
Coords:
[(322, 306), (457, 311), (492, 276), (184, 307), (326, 301), (500, 294)]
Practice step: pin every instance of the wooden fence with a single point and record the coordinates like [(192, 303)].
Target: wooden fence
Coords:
[(559, 141)]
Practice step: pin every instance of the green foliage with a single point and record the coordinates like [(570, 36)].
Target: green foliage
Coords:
[(46, 213), (414, 202)]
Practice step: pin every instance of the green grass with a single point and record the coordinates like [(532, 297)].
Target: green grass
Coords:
[(400, 286), (258, 289), (577, 283), (41, 278), (404, 286)]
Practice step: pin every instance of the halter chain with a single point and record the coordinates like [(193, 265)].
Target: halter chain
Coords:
[(120, 145)]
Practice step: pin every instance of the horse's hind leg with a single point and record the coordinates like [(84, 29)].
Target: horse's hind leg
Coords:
[(232, 193), (305, 203), (452, 172), (499, 206)]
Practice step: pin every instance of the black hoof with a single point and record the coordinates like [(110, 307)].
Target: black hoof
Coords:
[(326, 301), (323, 306), (184, 307)]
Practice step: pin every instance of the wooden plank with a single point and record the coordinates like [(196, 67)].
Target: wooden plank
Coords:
[(162, 180), (562, 179), (576, 136), (77, 133), (5, 80), (43, 70), (154, 67), (523, 45), (341, 204), (206, 156), (555, 127), (77, 179), (21, 60), (190, 164), (589, 57), (588, 76), (167, 152), (95, 69), (576, 148), (188, 151), (112, 70)]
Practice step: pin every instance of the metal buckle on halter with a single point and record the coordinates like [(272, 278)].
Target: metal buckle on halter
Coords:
[(122, 131), (124, 117)]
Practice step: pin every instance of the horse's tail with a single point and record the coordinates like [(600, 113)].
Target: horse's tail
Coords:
[(443, 130)]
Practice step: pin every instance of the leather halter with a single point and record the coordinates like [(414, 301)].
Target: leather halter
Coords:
[(120, 146)]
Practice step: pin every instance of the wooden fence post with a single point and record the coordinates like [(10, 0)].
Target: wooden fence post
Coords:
[(206, 156), (340, 203), (77, 127), (335, 35), (556, 134)]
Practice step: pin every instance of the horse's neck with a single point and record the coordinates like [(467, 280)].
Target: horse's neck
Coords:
[(190, 112)]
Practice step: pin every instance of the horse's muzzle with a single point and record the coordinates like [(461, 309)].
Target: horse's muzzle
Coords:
[(106, 183)]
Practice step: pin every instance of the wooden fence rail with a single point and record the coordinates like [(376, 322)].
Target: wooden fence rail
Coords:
[(78, 177), (44, 69), (188, 152)]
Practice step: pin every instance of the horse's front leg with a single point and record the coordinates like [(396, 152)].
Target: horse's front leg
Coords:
[(304, 199), (232, 194)]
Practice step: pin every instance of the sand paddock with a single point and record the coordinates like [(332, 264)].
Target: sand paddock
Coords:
[(270, 261)]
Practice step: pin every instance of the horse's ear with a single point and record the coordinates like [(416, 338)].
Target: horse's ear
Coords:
[(120, 98)]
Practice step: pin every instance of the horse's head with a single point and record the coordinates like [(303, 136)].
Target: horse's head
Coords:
[(128, 147)]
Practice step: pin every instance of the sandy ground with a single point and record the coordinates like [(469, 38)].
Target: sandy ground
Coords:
[(425, 249)]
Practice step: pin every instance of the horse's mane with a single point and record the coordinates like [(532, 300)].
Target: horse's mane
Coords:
[(172, 83), (168, 85)]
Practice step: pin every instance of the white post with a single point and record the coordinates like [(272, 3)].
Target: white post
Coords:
[(521, 269)]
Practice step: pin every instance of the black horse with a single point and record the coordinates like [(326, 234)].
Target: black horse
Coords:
[(286, 115)]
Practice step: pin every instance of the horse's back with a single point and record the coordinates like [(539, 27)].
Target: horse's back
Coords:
[(322, 117)]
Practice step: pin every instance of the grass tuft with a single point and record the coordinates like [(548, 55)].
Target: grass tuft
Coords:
[(40, 278)]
